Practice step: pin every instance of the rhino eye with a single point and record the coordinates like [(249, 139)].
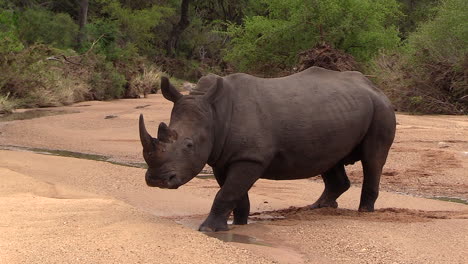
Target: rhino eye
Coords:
[(188, 143)]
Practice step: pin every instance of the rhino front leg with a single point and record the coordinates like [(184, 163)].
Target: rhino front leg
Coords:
[(233, 195), (242, 208)]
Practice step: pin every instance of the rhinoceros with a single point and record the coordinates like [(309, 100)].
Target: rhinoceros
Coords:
[(310, 123)]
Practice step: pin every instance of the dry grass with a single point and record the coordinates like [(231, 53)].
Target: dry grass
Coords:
[(6, 104), (433, 88), (146, 82)]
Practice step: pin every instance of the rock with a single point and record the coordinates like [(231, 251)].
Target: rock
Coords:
[(188, 86), (443, 144)]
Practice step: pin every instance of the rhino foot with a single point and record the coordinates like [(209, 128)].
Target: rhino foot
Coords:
[(322, 204), (366, 208), (240, 221), (213, 225)]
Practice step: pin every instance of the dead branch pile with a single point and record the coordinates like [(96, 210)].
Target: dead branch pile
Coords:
[(323, 55)]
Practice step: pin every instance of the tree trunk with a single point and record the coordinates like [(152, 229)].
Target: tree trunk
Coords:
[(83, 18), (177, 30)]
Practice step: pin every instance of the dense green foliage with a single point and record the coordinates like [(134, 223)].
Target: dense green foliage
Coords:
[(359, 27), (42, 26), (430, 73), (415, 13), (56, 52)]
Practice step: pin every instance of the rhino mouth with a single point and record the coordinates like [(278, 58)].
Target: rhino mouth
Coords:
[(166, 182)]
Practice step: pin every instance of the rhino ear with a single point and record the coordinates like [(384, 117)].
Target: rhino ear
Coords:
[(165, 134), (169, 92), (216, 91)]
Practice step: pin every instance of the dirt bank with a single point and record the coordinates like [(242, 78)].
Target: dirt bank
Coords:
[(67, 210)]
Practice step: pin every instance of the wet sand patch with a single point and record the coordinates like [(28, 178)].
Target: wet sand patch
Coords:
[(32, 114)]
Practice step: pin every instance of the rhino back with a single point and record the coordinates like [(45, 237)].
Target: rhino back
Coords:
[(303, 124)]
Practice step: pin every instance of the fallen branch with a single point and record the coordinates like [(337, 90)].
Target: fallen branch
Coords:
[(54, 58), (94, 43), (69, 61), (65, 58)]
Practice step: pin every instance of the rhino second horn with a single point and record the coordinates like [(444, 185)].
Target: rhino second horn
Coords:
[(145, 137), (165, 134)]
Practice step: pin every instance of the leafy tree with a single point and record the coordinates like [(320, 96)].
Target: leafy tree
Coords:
[(430, 73), (124, 30), (82, 21), (224, 10), (42, 26), (9, 41), (440, 47), (445, 38), (178, 28), (359, 27), (415, 12)]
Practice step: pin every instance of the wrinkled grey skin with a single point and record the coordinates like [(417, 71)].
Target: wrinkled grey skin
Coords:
[(311, 123)]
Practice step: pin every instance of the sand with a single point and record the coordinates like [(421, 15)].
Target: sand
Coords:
[(68, 210)]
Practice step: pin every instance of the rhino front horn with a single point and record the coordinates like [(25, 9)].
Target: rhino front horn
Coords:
[(145, 137)]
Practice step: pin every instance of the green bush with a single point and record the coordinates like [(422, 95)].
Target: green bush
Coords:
[(359, 27), (35, 77), (145, 83), (431, 74), (125, 32), (9, 41), (106, 82), (42, 26), (6, 104)]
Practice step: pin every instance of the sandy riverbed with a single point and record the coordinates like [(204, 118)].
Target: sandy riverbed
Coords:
[(67, 210)]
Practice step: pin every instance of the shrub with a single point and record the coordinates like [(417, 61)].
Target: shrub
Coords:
[(106, 82), (431, 74), (145, 83), (6, 104), (126, 32), (42, 26), (358, 27), (35, 77), (9, 41)]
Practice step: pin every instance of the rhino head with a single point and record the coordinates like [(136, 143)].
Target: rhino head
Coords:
[(181, 149)]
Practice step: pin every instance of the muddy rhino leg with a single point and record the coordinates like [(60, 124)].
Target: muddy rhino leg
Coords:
[(336, 182), (242, 209), (239, 179)]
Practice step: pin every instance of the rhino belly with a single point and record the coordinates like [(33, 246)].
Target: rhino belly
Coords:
[(291, 165)]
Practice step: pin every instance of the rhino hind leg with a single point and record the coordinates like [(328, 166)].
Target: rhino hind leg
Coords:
[(375, 148), (336, 182), (372, 165), (370, 186)]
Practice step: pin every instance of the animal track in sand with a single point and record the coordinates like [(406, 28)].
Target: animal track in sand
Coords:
[(380, 215)]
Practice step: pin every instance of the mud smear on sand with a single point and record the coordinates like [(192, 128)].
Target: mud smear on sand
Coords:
[(31, 114), (381, 215), (451, 199), (204, 174), (72, 154)]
